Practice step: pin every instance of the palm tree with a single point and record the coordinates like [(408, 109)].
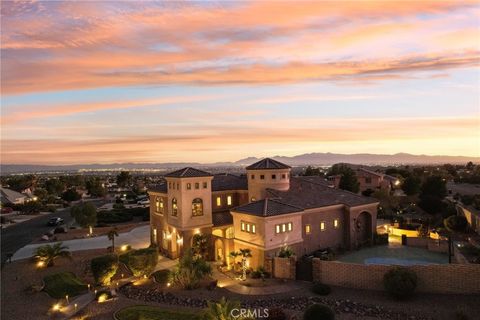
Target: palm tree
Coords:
[(221, 310), (245, 253), (49, 253), (111, 236), (234, 255)]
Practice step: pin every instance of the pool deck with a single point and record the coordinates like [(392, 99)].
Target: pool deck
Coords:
[(394, 254)]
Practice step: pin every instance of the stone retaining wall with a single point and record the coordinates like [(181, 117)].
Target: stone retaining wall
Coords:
[(452, 278)]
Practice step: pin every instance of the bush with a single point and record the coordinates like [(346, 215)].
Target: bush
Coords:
[(260, 272), (321, 289), (380, 238), (286, 252), (118, 206), (140, 262), (400, 283), (60, 284), (103, 295), (161, 276), (104, 268), (276, 314), (319, 311), (59, 230), (456, 223), (190, 270)]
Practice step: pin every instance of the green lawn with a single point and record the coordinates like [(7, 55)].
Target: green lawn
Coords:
[(60, 284), (154, 313)]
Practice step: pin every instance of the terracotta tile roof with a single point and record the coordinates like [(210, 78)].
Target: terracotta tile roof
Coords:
[(267, 164), (267, 207), (188, 172), (222, 218), (226, 181), (307, 194)]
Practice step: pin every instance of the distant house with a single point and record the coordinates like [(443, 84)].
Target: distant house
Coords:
[(9, 196), (369, 180), (263, 211), (471, 214)]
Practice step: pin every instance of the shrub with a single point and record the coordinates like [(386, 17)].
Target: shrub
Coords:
[(276, 314), (141, 261), (59, 230), (286, 252), (319, 311), (103, 295), (456, 223), (400, 282), (260, 272), (161, 276), (63, 283), (104, 268), (190, 270), (114, 216), (380, 238), (321, 289)]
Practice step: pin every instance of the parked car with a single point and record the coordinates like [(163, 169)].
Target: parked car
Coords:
[(144, 202), (55, 221)]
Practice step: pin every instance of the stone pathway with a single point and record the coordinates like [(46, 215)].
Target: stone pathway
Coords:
[(137, 238), (77, 304)]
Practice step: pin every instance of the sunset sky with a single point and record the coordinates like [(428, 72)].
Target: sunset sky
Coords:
[(103, 82)]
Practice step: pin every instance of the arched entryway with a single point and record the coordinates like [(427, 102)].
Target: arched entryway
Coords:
[(363, 228)]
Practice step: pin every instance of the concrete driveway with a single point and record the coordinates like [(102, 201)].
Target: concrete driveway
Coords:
[(137, 238)]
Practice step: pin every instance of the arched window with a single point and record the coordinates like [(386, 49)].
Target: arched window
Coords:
[(159, 204), (197, 207), (174, 207)]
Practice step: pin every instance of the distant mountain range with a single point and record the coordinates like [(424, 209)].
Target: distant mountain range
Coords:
[(318, 159)]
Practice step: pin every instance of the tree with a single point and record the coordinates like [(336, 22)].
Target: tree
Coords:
[(95, 188), (200, 245), (244, 253), (20, 183), (411, 186), (48, 253), (311, 171), (434, 186), (431, 204), (221, 310), (124, 179), (348, 180), (71, 195), (84, 214), (41, 194), (111, 236), (54, 186)]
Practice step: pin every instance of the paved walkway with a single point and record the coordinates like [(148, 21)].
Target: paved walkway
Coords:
[(137, 238), (235, 286), (76, 305)]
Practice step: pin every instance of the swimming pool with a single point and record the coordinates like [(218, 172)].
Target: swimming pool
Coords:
[(394, 255)]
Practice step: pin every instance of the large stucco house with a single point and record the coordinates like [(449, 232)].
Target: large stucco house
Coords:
[(264, 210)]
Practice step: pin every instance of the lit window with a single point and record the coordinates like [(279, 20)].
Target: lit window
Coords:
[(284, 227), (205, 185), (308, 229), (229, 200), (197, 207), (253, 199), (262, 177), (322, 226), (289, 226), (248, 227), (219, 201), (274, 176), (164, 239), (336, 223), (189, 186), (252, 177), (277, 228), (159, 204), (197, 185), (284, 176), (174, 207), (229, 233)]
